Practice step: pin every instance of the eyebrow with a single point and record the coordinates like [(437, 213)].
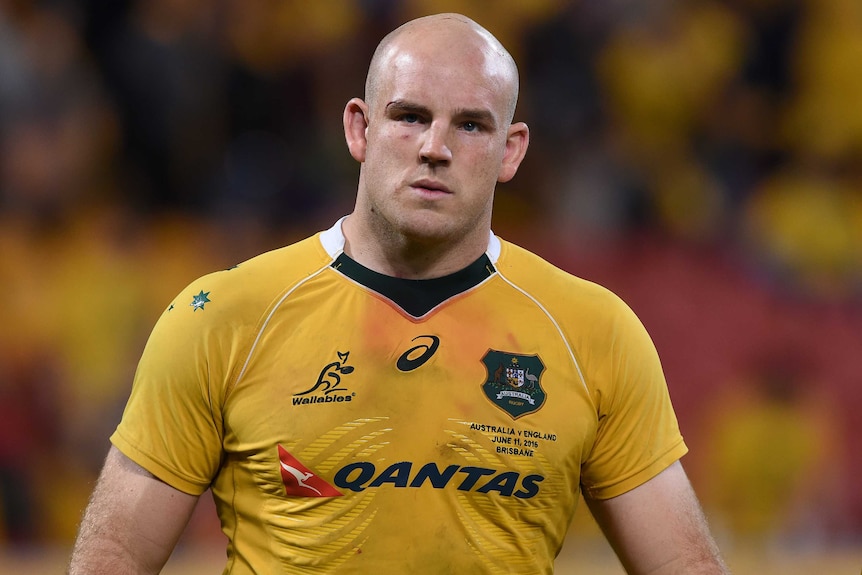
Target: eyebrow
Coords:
[(405, 106), (477, 115)]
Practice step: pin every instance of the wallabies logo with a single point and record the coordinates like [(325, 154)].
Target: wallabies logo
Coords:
[(513, 382)]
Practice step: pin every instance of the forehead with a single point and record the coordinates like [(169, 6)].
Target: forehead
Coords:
[(460, 75)]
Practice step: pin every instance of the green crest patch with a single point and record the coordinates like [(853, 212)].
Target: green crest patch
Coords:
[(513, 382)]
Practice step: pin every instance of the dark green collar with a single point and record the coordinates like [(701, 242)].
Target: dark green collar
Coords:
[(416, 297)]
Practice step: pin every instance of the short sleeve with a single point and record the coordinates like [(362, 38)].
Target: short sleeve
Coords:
[(638, 435), (172, 425)]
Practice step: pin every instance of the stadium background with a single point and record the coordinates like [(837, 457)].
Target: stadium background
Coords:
[(701, 158)]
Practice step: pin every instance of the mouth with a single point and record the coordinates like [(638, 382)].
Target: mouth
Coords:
[(430, 186)]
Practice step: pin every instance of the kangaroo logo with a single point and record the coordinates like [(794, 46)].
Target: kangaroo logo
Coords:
[(299, 481), (299, 476), (330, 376)]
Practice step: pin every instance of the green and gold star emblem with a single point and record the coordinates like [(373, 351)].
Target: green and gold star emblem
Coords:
[(199, 300)]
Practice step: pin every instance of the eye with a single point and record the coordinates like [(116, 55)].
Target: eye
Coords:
[(470, 127), (410, 118)]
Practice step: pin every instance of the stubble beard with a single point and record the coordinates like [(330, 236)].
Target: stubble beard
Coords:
[(425, 227), (423, 236)]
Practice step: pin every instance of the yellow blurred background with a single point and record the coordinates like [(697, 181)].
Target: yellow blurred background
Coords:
[(703, 159)]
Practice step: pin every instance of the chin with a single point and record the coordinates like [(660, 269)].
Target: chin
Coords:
[(430, 227)]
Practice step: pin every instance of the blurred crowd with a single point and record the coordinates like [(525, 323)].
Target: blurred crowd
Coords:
[(703, 158)]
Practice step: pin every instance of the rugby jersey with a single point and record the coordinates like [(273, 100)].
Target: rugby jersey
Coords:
[(349, 422)]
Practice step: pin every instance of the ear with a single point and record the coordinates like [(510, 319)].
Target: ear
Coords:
[(517, 140), (355, 123)]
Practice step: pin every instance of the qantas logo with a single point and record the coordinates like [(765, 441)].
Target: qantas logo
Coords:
[(363, 475), (299, 481)]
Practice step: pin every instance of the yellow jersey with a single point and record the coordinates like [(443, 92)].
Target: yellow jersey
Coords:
[(350, 422)]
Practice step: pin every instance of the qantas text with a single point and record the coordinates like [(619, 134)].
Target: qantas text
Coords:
[(362, 475)]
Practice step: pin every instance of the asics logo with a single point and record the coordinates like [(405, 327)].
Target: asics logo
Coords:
[(409, 360)]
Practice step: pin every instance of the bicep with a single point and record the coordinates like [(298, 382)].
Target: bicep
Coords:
[(133, 520), (659, 527)]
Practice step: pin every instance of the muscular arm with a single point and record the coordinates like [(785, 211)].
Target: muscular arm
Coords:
[(132, 522), (658, 528)]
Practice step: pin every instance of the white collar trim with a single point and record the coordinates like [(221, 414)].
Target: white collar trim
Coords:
[(333, 242)]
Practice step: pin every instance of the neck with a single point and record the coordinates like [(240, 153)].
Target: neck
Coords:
[(401, 256)]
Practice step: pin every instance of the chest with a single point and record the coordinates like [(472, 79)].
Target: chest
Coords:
[(483, 392)]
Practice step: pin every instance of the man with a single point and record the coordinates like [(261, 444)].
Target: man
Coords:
[(404, 392)]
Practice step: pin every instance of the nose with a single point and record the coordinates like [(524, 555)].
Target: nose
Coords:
[(435, 149)]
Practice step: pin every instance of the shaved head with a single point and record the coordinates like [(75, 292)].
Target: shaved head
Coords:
[(442, 35), (433, 136)]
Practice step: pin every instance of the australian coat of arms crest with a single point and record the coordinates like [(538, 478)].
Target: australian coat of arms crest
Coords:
[(513, 382)]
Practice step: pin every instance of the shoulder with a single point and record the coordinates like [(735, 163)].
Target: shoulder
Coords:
[(249, 288), (553, 287), (279, 267)]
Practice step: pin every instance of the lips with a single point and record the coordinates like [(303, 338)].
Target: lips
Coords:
[(430, 185)]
